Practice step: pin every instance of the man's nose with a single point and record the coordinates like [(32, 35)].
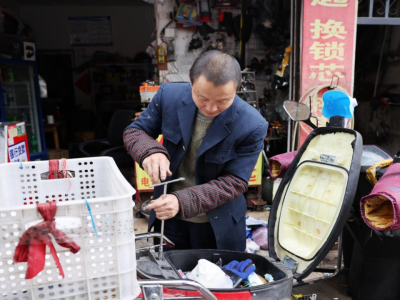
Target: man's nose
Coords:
[(211, 107)]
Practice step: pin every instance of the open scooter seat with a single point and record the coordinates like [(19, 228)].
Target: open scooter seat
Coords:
[(314, 198)]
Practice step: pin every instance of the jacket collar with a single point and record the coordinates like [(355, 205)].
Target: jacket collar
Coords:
[(218, 129)]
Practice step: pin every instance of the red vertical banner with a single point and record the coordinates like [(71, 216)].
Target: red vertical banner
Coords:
[(328, 51)]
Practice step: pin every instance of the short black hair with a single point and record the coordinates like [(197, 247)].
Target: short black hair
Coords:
[(218, 67)]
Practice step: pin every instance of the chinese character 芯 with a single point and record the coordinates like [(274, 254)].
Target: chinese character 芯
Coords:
[(325, 73)]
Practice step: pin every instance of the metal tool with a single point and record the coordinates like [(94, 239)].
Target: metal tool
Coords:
[(165, 183)]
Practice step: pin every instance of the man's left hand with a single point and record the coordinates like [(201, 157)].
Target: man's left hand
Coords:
[(165, 208)]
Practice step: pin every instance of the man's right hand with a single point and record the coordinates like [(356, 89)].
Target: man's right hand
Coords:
[(157, 167)]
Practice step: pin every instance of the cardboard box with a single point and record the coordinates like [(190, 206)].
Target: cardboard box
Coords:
[(84, 136), (57, 154)]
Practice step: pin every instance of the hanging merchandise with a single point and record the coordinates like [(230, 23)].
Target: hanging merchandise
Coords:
[(273, 24), (195, 43), (161, 58), (281, 78), (170, 50), (187, 14), (226, 21), (204, 11), (205, 30), (161, 55), (247, 25)]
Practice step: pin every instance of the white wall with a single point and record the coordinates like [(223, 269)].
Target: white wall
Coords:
[(132, 27)]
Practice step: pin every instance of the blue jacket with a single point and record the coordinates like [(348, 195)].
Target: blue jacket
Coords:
[(231, 146)]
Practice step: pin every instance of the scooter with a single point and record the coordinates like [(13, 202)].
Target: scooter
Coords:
[(307, 216), (316, 194)]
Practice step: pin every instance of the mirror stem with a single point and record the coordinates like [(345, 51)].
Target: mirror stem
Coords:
[(311, 124)]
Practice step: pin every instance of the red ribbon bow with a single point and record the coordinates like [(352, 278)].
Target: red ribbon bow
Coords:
[(32, 246)]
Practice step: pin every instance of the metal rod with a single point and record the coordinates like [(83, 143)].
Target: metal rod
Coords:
[(160, 250), (380, 61), (165, 183), (265, 157), (289, 142), (340, 252), (387, 7), (371, 8), (205, 292), (150, 235)]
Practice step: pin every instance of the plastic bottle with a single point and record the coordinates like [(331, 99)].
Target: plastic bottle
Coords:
[(34, 144), (161, 55)]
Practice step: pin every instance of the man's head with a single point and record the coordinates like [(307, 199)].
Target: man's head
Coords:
[(215, 77)]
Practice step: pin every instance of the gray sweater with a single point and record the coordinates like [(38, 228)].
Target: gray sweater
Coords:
[(187, 167)]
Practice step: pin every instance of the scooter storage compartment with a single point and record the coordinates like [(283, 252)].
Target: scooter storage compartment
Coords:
[(280, 288)]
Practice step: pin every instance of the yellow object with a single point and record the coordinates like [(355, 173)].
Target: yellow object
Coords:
[(336, 144), (161, 55), (371, 172), (379, 211), (142, 179), (255, 178), (285, 62)]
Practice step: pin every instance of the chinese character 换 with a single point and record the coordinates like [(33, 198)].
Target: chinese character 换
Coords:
[(326, 72), (145, 181), (329, 29), (330, 3), (327, 51)]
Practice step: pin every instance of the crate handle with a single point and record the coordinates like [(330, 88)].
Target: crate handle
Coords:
[(70, 174)]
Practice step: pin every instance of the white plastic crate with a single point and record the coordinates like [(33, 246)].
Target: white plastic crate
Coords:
[(105, 267)]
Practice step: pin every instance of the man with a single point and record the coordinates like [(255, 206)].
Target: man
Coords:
[(213, 139)]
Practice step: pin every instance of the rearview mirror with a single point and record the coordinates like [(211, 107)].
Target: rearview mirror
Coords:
[(296, 111)]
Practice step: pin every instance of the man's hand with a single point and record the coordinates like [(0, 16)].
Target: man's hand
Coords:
[(165, 208), (157, 167)]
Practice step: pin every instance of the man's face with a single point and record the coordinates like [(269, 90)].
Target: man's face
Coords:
[(210, 99)]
